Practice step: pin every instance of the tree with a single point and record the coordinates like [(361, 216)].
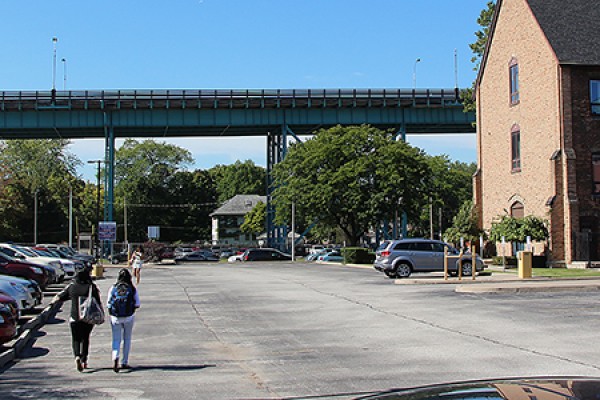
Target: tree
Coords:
[(518, 229), (464, 224), (254, 221), (350, 177), (478, 48), (31, 169), (239, 178), (451, 186), (146, 178)]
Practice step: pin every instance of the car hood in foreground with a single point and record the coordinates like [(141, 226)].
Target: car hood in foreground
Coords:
[(560, 388)]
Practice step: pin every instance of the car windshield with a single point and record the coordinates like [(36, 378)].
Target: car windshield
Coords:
[(27, 252)]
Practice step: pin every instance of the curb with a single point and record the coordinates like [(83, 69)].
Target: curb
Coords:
[(29, 330), (530, 287)]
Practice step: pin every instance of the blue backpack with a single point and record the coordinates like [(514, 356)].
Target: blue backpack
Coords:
[(122, 301)]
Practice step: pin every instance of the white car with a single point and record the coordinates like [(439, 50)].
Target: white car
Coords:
[(17, 291), (236, 258)]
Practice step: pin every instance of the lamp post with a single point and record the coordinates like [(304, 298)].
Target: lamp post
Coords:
[(64, 61), (97, 241), (35, 216), (418, 60)]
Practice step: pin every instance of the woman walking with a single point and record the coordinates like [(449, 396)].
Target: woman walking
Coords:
[(136, 263), (123, 301), (80, 331)]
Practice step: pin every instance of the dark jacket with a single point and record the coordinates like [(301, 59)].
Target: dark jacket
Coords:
[(80, 287)]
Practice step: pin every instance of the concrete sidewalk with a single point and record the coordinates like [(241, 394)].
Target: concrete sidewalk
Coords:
[(496, 280)]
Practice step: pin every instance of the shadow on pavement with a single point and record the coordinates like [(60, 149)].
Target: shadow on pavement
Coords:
[(154, 367)]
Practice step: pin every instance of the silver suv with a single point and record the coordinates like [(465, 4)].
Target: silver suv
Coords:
[(400, 258)]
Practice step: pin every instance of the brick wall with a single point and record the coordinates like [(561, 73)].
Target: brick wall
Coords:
[(517, 36)]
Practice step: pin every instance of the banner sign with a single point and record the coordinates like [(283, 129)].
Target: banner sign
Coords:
[(107, 231)]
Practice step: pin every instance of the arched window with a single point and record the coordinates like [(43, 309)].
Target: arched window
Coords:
[(517, 210)]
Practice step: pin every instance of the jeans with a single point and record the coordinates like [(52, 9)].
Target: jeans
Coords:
[(80, 335), (121, 330)]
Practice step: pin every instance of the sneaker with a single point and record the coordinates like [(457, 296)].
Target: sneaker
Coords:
[(125, 366), (78, 364), (116, 365)]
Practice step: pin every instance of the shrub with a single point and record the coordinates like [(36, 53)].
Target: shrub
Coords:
[(358, 255)]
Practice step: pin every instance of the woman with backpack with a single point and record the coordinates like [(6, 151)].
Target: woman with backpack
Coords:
[(77, 291), (123, 301)]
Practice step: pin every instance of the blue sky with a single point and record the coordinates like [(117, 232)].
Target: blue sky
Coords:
[(240, 44)]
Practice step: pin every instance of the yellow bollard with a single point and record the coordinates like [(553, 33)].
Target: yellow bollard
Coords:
[(525, 261), (445, 263), (473, 263)]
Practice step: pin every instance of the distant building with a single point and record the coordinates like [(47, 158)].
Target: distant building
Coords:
[(538, 122), (227, 220)]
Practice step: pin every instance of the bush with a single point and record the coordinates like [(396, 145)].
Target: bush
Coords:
[(509, 260), (358, 255)]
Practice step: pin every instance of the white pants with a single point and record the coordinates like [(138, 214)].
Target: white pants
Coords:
[(121, 330)]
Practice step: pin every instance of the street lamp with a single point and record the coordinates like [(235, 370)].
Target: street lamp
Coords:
[(97, 241), (418, 60), (54, 41), (64, 61)]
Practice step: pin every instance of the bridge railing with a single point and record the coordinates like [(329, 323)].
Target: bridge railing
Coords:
[(267, 98)]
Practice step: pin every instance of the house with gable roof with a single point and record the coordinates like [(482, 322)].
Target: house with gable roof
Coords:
[(228, 219), (538, 122)]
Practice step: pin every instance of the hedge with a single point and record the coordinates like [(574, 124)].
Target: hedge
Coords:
[(358, 255)]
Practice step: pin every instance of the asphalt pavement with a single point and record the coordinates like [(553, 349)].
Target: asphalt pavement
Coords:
[(282, 330)]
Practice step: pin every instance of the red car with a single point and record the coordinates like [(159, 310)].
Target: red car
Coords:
[(9, 316), (23, 269)]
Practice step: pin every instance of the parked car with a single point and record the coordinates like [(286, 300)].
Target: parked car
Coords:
[(181, 251), (236, 258), (55, 276), (23, 269), (69, 263), (198, 255), (400, 258), (265, 255), (332, 256), (116, 258), (8, 319), (166, 253), (314, 256), (11, 304), (34, 293), (18, 292)]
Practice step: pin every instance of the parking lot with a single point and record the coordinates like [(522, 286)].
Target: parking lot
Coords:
[(273, 330)]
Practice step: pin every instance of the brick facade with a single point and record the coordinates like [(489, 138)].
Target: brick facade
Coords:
[(557, 133)]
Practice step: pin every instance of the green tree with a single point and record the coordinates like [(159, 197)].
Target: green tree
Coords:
[(451, 186), (42, 169), (144, 175), (517, 229), (239, 178), (350, 177), (464, 224), (478, 48), (255, 220)]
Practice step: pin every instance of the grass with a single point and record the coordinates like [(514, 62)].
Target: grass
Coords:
[(559, 272)]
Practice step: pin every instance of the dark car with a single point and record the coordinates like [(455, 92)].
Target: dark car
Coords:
[(559, 388), (116, 258), (8, 319), (265, 255), (24, 269), (198, 255)]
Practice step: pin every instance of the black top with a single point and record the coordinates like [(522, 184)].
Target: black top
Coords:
[(76, 290)]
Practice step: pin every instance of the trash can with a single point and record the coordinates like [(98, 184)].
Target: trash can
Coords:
[(525, 261), (98, 271)]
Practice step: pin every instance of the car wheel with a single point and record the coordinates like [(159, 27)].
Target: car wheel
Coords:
[(403, 270), (390, 274), (467, 269), (114, 261)]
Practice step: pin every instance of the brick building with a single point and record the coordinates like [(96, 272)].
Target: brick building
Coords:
[(538, 122)]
